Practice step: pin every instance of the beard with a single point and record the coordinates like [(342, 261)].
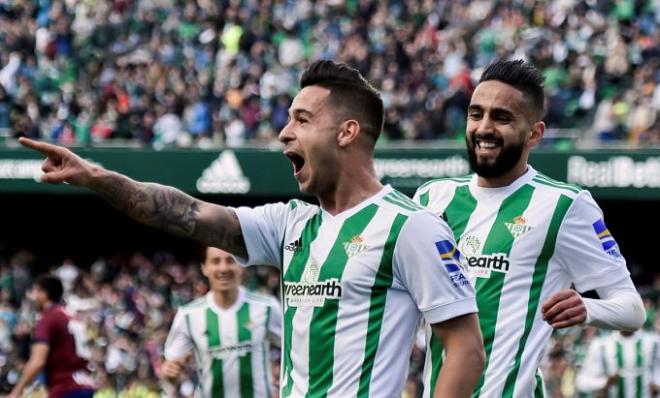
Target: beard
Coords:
[(507, 158)]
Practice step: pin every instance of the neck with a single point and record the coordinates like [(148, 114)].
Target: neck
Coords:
[(356, 182), (225, 298), (505, 179)]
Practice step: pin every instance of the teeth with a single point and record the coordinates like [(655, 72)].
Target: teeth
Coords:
[(487, 145)]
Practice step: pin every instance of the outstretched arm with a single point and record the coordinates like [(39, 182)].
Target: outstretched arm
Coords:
[(156, 205)]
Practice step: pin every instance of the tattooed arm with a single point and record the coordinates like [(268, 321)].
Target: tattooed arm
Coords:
[(155, 205)]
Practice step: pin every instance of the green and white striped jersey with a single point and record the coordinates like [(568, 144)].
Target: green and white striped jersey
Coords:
[(634, 360), (522, 243), (231, 346), (355, 285)]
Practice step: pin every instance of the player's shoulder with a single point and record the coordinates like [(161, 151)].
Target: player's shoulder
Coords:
[(445, 183), (545, 183), (199, 304), (260, 299), (417, 218), (297, 208), (398, 202)]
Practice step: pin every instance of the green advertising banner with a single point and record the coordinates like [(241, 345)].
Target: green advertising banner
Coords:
[(265, 173)]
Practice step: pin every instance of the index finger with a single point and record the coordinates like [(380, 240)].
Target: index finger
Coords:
[(554, 299), (43, 147)]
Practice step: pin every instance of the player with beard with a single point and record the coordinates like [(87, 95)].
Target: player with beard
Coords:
[(58, 347), (526, 238), (359, 270)]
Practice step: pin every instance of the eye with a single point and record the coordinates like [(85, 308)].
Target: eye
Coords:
[(302, 121)]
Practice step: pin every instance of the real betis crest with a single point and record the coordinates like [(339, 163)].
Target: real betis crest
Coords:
[(355, 246), (518, 226)]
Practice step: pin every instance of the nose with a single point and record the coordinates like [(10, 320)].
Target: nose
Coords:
[(286, 134), (485, 125), (223, 266)]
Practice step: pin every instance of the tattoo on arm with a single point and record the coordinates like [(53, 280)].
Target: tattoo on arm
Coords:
[(173, 211), (229, 238), (155, 205)]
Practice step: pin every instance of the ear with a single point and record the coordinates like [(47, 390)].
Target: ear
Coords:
[(349, 131), (536, 134)]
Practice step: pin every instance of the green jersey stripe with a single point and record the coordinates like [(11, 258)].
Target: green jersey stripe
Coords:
[(539, 391), (324, 319), (489, 290), (245, 362), (574, 187), (294, 274), (539, 178), (398, 202), (266, 353), (620, 382), (538, 278), (407, 200), (213, 336), (640, 368), (550, 184), (424, 199), (460, 209), (379, 290), (461, 179)]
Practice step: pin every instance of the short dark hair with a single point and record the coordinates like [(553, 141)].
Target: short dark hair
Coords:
[(350, 90), (52, 286), (521, 75)]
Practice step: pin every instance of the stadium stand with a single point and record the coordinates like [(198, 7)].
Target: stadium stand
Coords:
[(204, 73)]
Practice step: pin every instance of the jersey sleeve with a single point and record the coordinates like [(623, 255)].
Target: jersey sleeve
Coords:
[(263, 231), (275, 320), (179, 342), (428, 265), (586, 248), (43, 330)]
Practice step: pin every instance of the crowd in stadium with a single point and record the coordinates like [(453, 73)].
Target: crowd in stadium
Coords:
[(207, 73), (127, 302)]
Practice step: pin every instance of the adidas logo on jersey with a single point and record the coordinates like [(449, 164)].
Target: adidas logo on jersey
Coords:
[(481, 266), (302, 294), (294, 246), (224, 175)]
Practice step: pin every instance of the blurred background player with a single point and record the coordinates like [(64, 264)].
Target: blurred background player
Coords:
[(228, 331), (623, 365), (56, 348), (526, 238)]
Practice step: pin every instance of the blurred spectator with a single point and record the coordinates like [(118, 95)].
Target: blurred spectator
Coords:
[(204, 73)]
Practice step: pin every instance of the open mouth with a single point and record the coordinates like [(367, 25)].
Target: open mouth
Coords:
[(297, 161)]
